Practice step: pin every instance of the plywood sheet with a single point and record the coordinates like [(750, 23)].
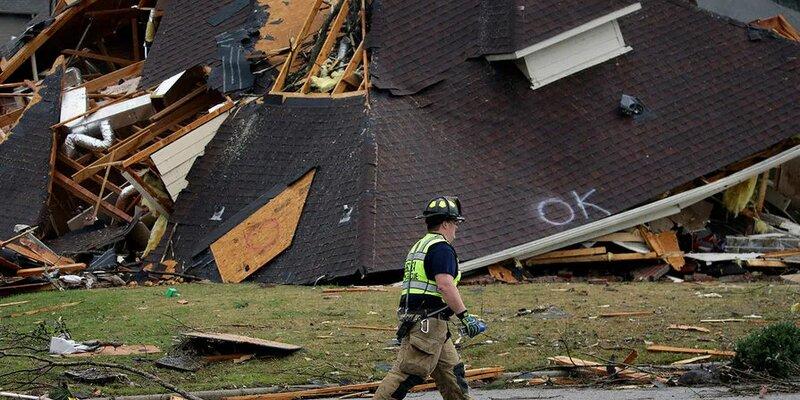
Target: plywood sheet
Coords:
[(286, 18), (227, 337), (263, 235)]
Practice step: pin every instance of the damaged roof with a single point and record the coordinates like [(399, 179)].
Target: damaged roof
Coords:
[(187, 35), (526, 163), (29, 175)]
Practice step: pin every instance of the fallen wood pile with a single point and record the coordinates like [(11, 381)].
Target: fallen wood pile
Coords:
[(471, 374)]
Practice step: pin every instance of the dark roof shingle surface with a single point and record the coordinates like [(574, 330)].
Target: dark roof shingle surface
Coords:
[(525, 163), (25, 161)]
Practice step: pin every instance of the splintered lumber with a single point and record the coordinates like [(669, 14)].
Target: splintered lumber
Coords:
[(89, 197), (689, 328), (351, 68), (502, 274), (67, 268), (657, 348), (595, 368), (782, 253), (43, 309), (665, 244), (13, 303), (571, 253), (17, 60), (625, 314), (124, 350), (692, 360), (112, 78), (608, 257), (95, 56), (330, 40), (280, 80), (11, 117), (471, 374), (263, 235), (265, 345), (620, 237), (756, 263), (142, 155)]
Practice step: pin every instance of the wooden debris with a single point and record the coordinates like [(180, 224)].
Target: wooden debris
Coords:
[(265, 345), (502, 274), (43, 309), (124, 350), (692, 360), (722, 321), (13, 303), (689, 328), (657, 348), (263, 235), (792, 278), (67, 268), (765, 263), (472, 374), (620, 237), (607, 257), (625, 314), (595, 368), (571, 253)]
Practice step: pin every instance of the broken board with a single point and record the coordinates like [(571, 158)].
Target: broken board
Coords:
[(263, 235), (267, 346)]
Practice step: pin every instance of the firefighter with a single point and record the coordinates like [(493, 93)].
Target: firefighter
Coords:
[(428, 300)]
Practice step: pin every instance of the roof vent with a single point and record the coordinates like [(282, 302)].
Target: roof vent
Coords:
[(630, 106)]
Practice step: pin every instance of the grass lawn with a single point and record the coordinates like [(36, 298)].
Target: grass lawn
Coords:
[(334, 353)]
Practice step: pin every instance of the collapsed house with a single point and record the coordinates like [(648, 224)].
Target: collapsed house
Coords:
[(269, 141)]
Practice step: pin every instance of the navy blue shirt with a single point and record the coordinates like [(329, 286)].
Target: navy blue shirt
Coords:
[(440, 259)]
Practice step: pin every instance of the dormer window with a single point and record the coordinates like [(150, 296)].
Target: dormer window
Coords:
[(571, 51)]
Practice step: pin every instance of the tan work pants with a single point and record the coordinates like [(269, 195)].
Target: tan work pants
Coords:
[(426, 351)]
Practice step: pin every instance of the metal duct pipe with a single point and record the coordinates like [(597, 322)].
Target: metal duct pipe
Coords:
[(126, 193), (80, 137)]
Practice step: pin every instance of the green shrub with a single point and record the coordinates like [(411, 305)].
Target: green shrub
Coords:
[(774, 349)]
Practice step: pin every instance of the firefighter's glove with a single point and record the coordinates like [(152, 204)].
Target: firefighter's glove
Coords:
[(471, 325)]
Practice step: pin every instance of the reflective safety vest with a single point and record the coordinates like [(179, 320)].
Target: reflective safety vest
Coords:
[(414, 279)]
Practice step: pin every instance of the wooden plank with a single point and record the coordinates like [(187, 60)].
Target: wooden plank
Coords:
[(280, 81), (67, 268), (357, 289), (351, 67), (608, 257), (43, 252), (19, 58), (95, 56), (340, 390), (89, 197), (330, 40), (619, 237), (571, 253), (174, 106), (782, 253), (263, 235), (14, 303), (625, 314), (371, 328), (124, 350), (238, 339), (43, 309), (11, 117), (689, 328), (765, 264), (502, 274), (595, 368), (657, 348), (692, 360), (112, 78)]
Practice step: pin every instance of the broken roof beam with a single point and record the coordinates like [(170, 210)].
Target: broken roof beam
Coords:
[(99, 57), (144, 154), (352, 66), (161, 201), (82, 193), (114, 77), (18, 59), (280, 81), (63, 158), (327, 46)]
